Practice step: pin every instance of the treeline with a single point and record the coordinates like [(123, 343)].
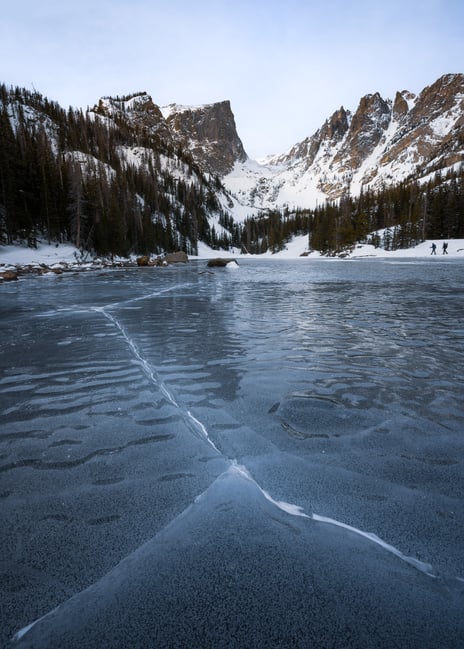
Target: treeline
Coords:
[(394, 217), (406, 214), (271, 230), (68, 176)]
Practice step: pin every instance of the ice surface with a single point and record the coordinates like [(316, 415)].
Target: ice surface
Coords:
[(191, 456), (295, 510), (233, 566)]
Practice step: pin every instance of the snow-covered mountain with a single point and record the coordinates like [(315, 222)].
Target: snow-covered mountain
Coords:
[(131, 175), (382, 143), (208, 131)]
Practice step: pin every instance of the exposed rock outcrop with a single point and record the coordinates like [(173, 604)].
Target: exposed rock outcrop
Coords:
[(139, 109), (179, 257), (220, 262), (8, 275), (209, 132), (365, 131)]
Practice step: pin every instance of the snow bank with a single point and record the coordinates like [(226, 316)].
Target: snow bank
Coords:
[(43, 254), (298, 247), (50, 255)]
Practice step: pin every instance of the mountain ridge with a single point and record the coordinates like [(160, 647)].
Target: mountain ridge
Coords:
[(130, 175), (382, 142)]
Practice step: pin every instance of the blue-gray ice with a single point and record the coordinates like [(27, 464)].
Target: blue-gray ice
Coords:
[(267, 458)]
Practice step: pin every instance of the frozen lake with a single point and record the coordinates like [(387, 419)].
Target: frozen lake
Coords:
[(265, 457)]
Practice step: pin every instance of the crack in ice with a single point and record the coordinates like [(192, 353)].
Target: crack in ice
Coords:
[(296, 510), (416, 563), (293, 510), (193, 423)]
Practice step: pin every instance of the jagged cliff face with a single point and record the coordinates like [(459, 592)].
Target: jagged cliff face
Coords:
[(433, 128), (208, 131), (383, 142), (367, 127)]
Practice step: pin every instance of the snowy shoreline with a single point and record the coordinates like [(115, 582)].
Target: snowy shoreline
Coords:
[(56, 259)]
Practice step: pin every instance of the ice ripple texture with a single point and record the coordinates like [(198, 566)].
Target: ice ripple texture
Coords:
[(265, 458)]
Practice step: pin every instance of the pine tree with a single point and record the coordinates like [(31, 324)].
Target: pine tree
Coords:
[(76, 204)]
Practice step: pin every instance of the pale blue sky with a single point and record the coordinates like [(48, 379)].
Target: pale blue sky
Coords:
[(285, 65)]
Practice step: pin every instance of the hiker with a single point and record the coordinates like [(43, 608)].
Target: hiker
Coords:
[(445, 248), (434, 249)]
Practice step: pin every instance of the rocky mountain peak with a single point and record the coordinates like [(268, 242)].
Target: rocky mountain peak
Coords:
[(401, 104), (336, 126), (138, 108), (368, 125), (207, 131), (210, 133)]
